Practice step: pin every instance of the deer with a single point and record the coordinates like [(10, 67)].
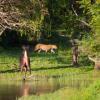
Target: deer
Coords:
[(25, 60)]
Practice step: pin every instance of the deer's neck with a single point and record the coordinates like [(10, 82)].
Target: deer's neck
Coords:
[(25, 54)]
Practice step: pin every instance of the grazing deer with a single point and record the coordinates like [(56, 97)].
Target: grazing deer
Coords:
[(25, 60)]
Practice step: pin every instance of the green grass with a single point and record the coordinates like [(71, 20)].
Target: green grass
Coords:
[(53, 65), (42, 64)]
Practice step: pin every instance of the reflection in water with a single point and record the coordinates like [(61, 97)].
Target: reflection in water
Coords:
[(24, 89), (45, 86), (13, 90)]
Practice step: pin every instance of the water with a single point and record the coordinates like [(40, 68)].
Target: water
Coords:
[(12, 90)]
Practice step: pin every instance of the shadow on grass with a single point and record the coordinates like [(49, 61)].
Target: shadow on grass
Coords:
[(9, 71), (50, 68), (36, 69), (54, 67)]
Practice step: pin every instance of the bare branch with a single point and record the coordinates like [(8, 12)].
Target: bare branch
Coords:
[(74, 10), (85, 23)]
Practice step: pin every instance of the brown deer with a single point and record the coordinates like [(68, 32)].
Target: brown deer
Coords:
[(25, 60)]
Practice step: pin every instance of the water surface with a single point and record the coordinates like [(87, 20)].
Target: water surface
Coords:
[(12, 90)]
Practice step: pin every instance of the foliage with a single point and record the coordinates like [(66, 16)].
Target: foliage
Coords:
[(44, 18), (24, 15), (91, 12)]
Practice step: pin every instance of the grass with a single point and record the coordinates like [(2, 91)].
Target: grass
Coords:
[(42, 64), (53, 66)]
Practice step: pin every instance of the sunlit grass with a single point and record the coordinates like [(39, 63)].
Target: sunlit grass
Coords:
[(42, 64)]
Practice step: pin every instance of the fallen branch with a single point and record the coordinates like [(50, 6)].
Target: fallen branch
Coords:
[(96, 61)]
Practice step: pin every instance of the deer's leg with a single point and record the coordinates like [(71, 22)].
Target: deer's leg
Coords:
[(29, 65), (21, 68), (52, 51), (25, 69), (39, 50), (30, 70), (46, 51)]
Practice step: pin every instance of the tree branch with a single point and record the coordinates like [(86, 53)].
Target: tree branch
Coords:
[(74, 10), (83, 22)]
